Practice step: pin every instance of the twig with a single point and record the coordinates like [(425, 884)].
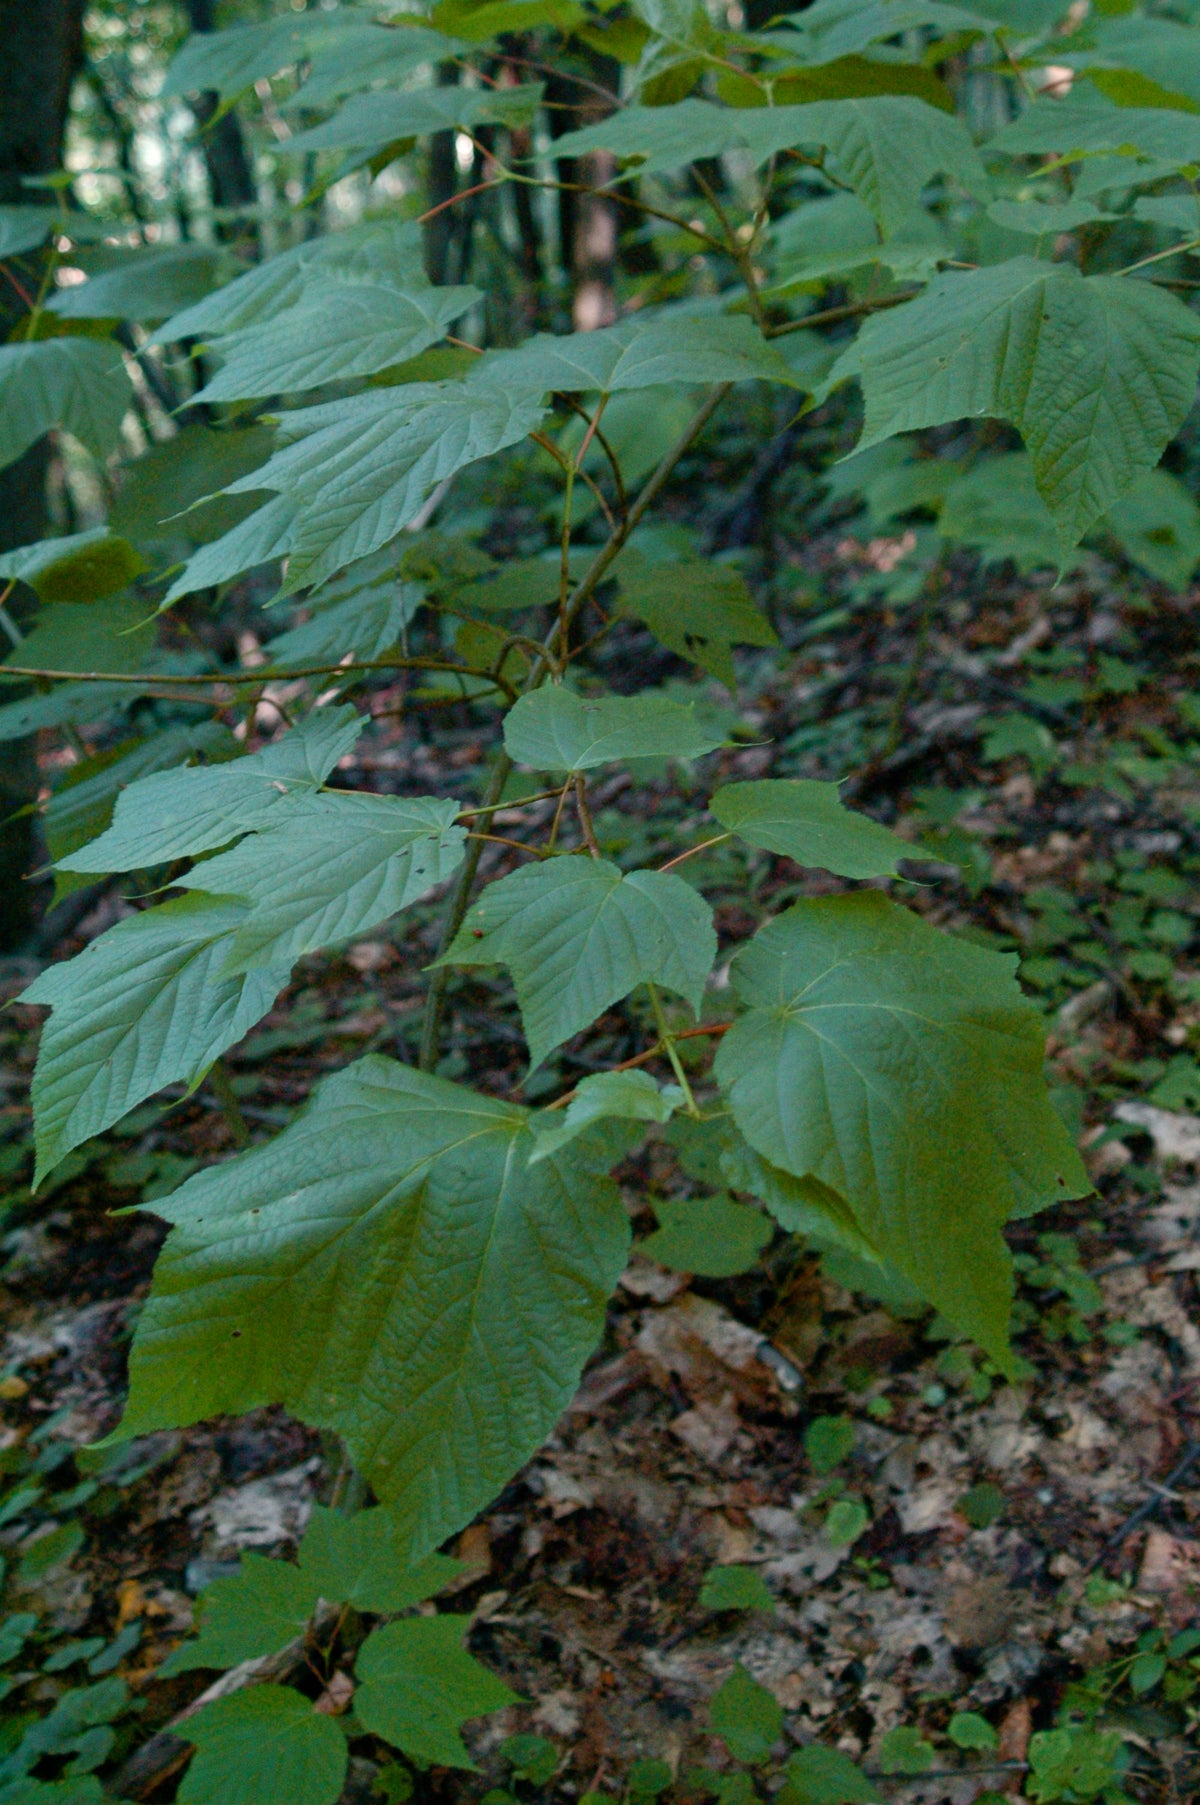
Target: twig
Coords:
[(461, 895), (1180, 1470)]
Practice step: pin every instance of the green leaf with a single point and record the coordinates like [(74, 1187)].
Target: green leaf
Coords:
[(265, 1742), (553, 729), (75, 702), (418, 1685), (337, 866), (24, 228), (1039, 218), (746, 1717), (638, 354), (82, 805), (886, 1059), (145, 1005), (77, 1725), (230, 61), (735, 1588), (886, 147), (1157, 526), (532, 1758), (375, 250), (374, 122), (176, 814), (86, 1790), (807, 821), (846, 1520), (110, 635), (15, 1631), (967, 1730), (336, 330), (982, 1505), (698, 611), (995, 508), (78, 384), (269, 533), (1096, 373), (827, 1442), (353, 473), (711, 1236), (803, 1206), (391, 1268), (623, 1096), (146, 283), (904, 1751), (365, 625), (255, 1612), (833, 28), (819, 1776), (1066, 1762), (578, 935), (363, 1561), (1084, 121), (80, 568)]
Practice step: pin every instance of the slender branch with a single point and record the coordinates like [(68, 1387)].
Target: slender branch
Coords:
[(693, 850), (639, 1059), (263, 674), (830, 316), (667, 1042), (585, 816), (460, 896)]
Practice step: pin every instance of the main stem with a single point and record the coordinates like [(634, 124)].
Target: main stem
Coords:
[(460, 896)]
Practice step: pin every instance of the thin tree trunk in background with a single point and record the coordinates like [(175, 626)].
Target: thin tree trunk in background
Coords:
[(443, 185), (230, 175), (41, 49)]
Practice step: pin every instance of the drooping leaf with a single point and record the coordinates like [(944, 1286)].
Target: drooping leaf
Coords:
[(553, 729), (148, 283), (370, 53), (262, 537), (886, 147), (419, 1685), (747, 1718), (228, 62), (24, 228), (713, 1237), (376, 250), (1157, 526), (80, 568), (112, 635), (82, 805), (1084, 121), (578, 935), (336, 330), (901, 1068), (392, 1268), (264, 1742), (353, 473), (994, 507), (366, 624), (808, 822), (254, 1612), (371, 122), (699, 611), (638, 354), (362, 1560), (145, 1005), (78, 384), (176, 814), (834, 28), (336, 867), (605, 1096), (1096, 373)]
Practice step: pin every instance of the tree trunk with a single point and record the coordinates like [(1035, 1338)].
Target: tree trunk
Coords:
[(41, 49), (230, 176)]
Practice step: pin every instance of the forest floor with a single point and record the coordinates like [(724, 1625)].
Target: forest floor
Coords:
[(942, 1540)]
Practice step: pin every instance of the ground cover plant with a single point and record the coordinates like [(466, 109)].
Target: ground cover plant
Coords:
[(518, 477)]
